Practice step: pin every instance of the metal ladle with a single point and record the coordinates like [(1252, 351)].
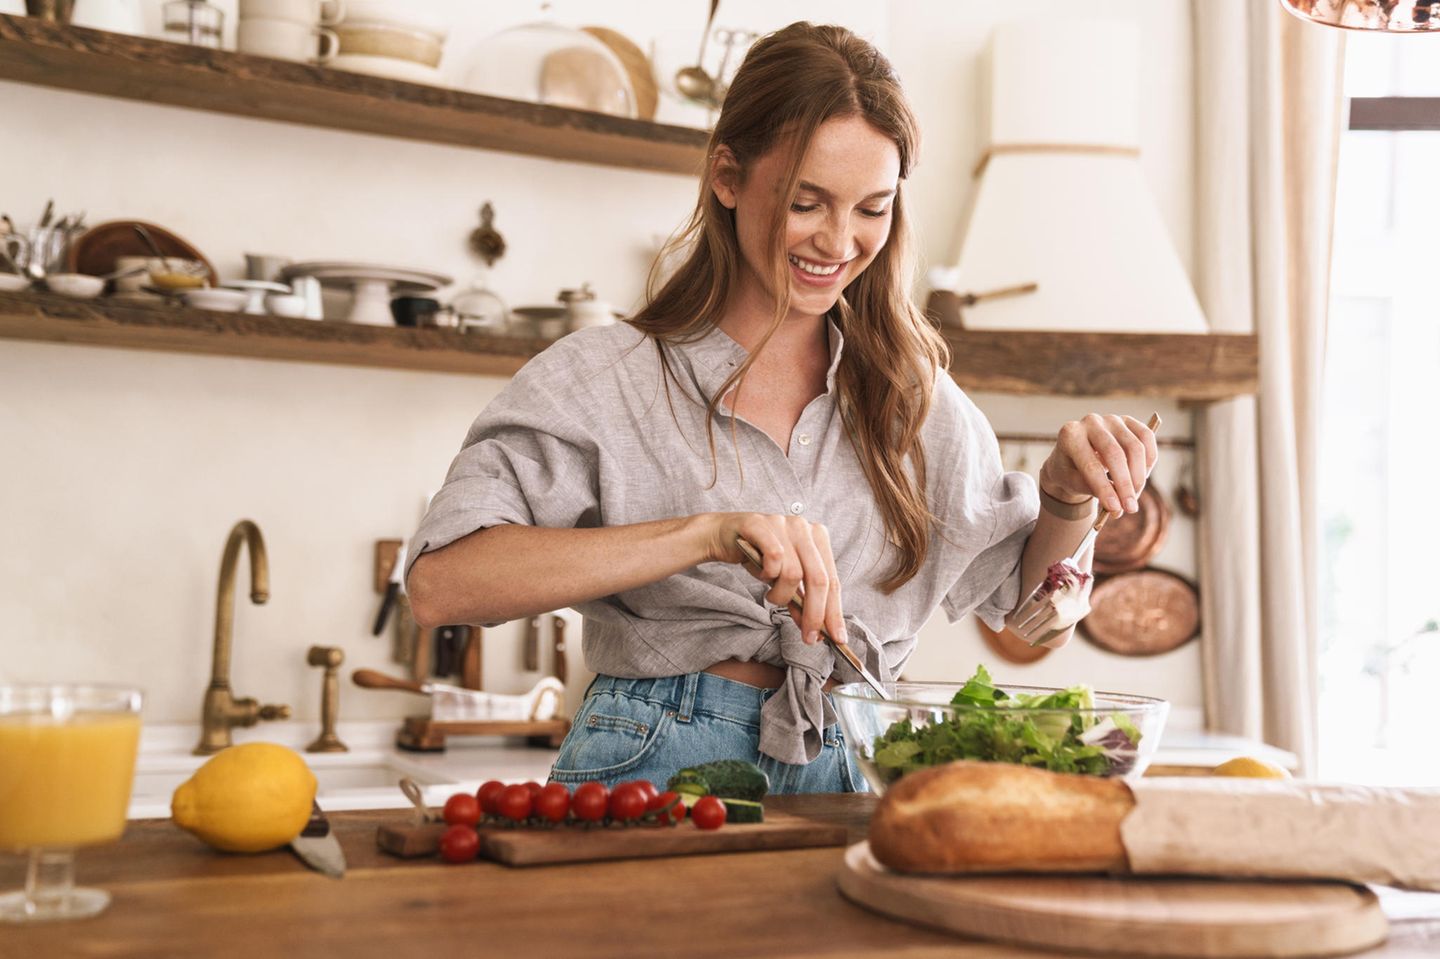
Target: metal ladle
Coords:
[(694, 82)]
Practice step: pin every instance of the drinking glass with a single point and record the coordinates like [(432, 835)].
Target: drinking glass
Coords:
[(67, 760)]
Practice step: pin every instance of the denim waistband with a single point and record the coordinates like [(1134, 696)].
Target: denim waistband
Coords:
[(692, 694)]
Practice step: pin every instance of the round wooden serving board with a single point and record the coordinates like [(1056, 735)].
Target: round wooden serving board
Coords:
[(1124, 916)]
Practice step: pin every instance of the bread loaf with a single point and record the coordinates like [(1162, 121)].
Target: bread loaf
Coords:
[(998, 817)]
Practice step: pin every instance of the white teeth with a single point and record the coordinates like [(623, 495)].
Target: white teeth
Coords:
[(813, 269)]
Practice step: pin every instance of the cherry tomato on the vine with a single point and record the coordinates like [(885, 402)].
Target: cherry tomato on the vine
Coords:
[(645, 786), (553, 803), (663, 816), (590, 802), (487, 794), (627, 802), (708, 813), (534, 788), (514, 802), (462, 809), (459, 843)]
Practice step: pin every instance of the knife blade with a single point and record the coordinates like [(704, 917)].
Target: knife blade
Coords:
[(318, 848)]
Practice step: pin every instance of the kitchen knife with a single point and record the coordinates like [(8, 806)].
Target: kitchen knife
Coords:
[(471, 662), (392, 590), (318, 848), (557, 633)]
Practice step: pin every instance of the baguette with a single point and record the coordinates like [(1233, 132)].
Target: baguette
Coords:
[(996, 817)]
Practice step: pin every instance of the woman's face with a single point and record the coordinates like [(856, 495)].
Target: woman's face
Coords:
[(839, 221)]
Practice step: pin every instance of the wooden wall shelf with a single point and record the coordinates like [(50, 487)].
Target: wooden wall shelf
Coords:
[(156, 71), (1196, 368)]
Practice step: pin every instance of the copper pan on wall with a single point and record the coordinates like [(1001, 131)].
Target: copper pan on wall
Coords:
[(1144, 612), (1387, 16), (1131, 541)]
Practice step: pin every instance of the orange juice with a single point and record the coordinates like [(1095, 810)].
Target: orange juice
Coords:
[(65, 782)]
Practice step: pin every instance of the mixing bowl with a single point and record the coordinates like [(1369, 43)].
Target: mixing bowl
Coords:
[(1072, 730)]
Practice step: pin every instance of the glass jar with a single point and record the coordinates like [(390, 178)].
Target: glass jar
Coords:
[(195, 22)]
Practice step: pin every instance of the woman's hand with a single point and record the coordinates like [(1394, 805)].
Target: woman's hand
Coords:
[(795, 552), (1108, 457)]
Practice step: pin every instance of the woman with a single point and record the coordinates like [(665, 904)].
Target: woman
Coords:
[(781, 387)]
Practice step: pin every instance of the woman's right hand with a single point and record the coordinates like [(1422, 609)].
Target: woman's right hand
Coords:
[(795, 552)]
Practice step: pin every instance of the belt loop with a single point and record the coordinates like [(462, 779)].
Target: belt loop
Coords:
[(687, 697)]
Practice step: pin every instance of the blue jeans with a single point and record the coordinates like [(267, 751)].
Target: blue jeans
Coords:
[(651, 728)]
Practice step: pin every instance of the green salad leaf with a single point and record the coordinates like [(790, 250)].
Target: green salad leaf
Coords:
[(992, 726)]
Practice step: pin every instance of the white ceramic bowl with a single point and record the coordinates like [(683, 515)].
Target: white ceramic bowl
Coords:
[(11, 283), (286, 304), (225, 301), (78, 285)]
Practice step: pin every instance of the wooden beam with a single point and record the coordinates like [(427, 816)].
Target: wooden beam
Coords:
[(1395, 113), (1197, 367), (178, 74)]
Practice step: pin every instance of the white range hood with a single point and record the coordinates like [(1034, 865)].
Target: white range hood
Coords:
[(1061, 199)]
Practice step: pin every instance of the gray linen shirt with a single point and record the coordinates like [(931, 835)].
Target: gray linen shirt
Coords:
[(591, 433)]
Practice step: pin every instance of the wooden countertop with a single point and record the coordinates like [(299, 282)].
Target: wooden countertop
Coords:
[(175, 897)]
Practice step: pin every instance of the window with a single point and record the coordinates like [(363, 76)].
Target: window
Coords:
[(1380, 459)]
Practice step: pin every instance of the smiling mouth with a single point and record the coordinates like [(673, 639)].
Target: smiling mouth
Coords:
[(814, 269)]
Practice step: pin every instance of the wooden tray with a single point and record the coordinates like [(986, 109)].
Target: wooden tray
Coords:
[(1203, 918), (536, 847)]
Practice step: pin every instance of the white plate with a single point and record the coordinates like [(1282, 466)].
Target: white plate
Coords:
[(386, 67), (331, 273), (265, 285)]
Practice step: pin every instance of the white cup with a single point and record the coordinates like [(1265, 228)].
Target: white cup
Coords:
[(311, 12), (287, 40)]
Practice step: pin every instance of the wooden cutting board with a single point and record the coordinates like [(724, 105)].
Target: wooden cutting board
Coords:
[(1124, 916), (536, 847)]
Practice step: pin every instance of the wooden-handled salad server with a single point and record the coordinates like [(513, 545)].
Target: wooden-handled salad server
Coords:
[(756, 562)]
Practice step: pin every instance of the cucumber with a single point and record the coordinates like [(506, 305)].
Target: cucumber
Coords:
[(743, 811), (726, 778)]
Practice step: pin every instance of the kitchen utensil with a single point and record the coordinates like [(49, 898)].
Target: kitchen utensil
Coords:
[(371, 285), (637, 67), (76, 285), (544, 62), (264, 266), (447, 650), (1142, 613), (318, 848), (287, 40), (222, 301), (865, 717), (255, 291), (288, 305), (1037, 618), (455, 703), (1008, 648), (557, 638), (12, 283), (531, 644), (694, 82), (756, 562), (1114, 916), (414, 311), (418, 836), (1133, 540), (393, 587), (539, 847), (56, 11), (472, 659), (194, 21), (97, 249)]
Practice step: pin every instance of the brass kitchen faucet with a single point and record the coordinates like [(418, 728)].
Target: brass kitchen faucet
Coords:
[(221, 711)]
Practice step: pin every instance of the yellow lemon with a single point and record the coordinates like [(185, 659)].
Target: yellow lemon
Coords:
[(246, 798), (1251, 767)]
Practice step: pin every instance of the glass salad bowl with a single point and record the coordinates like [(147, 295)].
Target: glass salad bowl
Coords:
[(1072, 730)]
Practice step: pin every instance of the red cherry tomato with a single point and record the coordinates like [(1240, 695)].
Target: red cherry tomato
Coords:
[(663, 816), (459, 843), (553, 803), (462, 809), (487, 794), (708, 813), (627, 802), (514, 802), (534, 788), (646, 787), (590, 802)]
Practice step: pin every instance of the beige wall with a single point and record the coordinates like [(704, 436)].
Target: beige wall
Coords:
[(123, 471)]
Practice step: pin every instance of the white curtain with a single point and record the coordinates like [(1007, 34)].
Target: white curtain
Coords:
[(1269, 114)]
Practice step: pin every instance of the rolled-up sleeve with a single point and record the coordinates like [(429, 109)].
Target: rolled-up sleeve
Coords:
[(526, 460), (990, 587)]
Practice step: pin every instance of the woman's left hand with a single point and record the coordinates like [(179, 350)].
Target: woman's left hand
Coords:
[(1109, 457)]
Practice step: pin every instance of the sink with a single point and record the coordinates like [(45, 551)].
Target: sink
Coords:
[(367, 777), (344, 780)]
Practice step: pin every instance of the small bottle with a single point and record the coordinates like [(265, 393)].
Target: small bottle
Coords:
[(194, 21)]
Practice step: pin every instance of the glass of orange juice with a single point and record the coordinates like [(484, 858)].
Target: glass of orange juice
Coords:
[(67, 760)]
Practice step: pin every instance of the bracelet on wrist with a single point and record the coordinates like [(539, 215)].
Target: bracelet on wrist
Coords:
[(1085, 509)]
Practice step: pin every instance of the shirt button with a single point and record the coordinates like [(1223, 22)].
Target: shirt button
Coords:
[(797, 508), (804, 439)]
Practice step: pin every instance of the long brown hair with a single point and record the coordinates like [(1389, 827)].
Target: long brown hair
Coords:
[(791, 82)]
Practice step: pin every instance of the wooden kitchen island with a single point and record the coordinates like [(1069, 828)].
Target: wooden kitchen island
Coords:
[(174, 897)]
